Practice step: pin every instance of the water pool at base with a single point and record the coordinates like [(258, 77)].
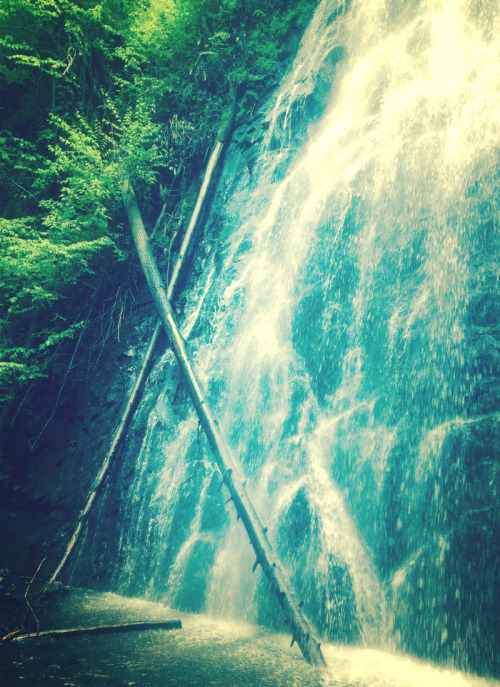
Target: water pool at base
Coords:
[(207, 651), (341, 310)]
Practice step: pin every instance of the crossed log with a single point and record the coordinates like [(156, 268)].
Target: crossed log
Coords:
[(228, 467)]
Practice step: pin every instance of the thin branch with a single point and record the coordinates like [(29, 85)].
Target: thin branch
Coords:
[(27, 600), (70, 367), (24, 189)]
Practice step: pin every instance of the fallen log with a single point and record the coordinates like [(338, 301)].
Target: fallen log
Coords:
[(222, 137), (100, 630), (229, 469)]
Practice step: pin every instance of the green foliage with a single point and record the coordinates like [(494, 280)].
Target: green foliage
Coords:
[(90, 91), (40, 274), (197, 48)]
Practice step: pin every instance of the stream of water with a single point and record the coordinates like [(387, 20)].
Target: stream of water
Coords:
[(342, 310)]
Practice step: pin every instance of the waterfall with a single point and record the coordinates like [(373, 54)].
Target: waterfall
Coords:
[(342, 312)]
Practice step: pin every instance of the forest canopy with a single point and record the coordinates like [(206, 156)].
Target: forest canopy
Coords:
[(89, 90)]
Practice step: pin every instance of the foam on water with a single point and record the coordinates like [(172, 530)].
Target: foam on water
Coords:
[(345, 330)]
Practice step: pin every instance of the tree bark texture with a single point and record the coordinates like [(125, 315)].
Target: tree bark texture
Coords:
[(228, 467), (102, 630), (222, 137)]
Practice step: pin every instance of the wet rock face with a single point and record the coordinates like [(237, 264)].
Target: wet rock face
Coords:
[(53, 463), (442, 531), (332, 605), (342, 308), (344, 326)]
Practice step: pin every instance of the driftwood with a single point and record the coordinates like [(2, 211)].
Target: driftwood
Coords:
[(222, 137), (227, 465), (99, 630)]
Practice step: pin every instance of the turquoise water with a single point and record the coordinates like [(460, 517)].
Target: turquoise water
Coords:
[(342, 311), (207, 651)]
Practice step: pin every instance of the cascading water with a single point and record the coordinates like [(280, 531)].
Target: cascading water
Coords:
[(343, 318)]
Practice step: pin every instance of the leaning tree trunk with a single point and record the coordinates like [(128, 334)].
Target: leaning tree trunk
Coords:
[(222, 137), (227, 465)]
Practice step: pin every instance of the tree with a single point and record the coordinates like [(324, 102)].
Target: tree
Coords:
[(88, 88)]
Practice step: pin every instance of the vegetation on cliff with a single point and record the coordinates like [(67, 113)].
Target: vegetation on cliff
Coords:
[(89, 89)]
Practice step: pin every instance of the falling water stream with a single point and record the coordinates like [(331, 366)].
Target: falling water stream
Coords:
[(342, 314)]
